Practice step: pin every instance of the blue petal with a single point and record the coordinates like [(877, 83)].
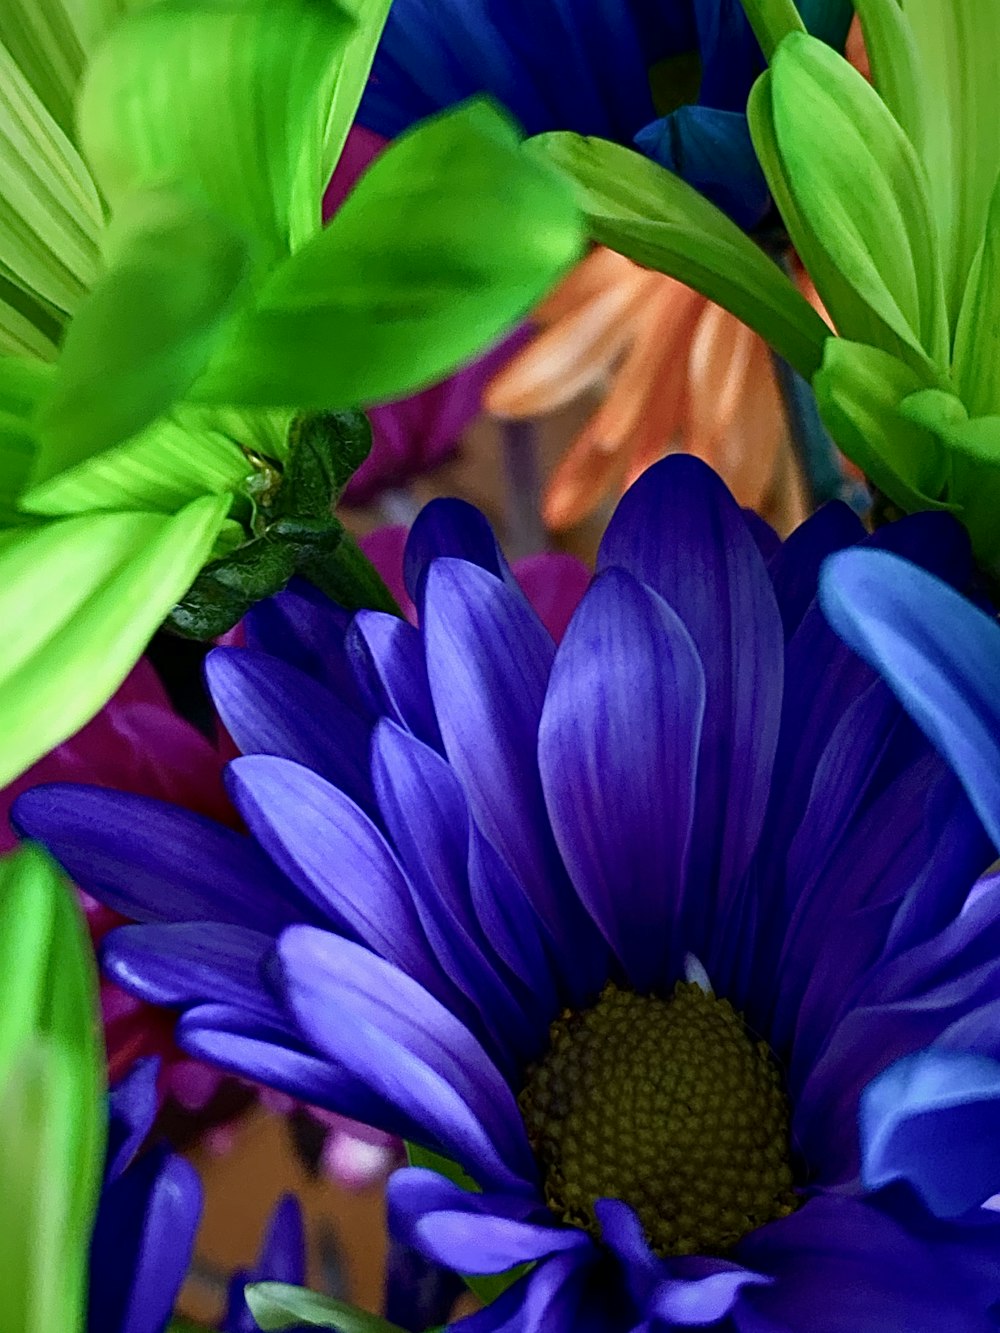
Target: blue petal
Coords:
[(679, 530), (618, 748), (282, 1259), (936, 651), (336, 856), (933, 1120), (795, 568), (452, 529), (271, 708), (156, 862), (141, 1245), (472, 1232), (303, 628), (489, 658), (712, 150), (408, 1050), (132, 1107), (188, 963), (387, 658), (841, 1266), (426, 815)]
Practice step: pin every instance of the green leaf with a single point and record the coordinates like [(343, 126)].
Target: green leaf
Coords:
[(28, 327), (828, 20), (162, 469), (276, 1305), (772, 20), (351, 75), (411, 278), (226, 589), (51, 1096), (655, 218), (86, 595), (144, 333), (230, 99), (958, 43), (857, 183), (859, 390), (50, 215), (43, 40), (325, 450), (895, 65), (976, 364), (22, 386)]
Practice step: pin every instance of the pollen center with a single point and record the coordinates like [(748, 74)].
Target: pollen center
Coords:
[(669, 1105)]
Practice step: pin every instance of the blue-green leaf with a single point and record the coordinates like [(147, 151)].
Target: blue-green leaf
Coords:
[(276, 1305)]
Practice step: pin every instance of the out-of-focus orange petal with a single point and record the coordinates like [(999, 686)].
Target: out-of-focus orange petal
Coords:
[(585, 475), (747, 452), (567, 357), (601, 269)]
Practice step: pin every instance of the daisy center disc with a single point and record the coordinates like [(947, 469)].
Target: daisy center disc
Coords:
[(669, 1105)]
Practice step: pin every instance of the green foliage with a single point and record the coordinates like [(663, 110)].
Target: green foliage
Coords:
[(86, 595), (276, 1305), (411, 278), (655, 218), (51, 1097)]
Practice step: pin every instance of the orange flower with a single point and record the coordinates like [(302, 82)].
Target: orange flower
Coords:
[(681, 374)]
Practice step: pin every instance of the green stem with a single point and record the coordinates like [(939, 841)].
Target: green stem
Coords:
[(349, 578)]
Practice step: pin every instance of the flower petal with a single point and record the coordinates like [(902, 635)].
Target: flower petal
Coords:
[(618, 747), (336, 856), (188, 963), (156, 862), (679, 530), (383, 1027), (933, 1119), (387, 658), (269, 707), (303, 628), (452, 529), (470, 1232), (937, 652), (795, 568)]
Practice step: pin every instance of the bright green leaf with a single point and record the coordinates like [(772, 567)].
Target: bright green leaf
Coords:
[(976, 365), (50, 215), (655, 218), (162, 468), (276, 1305), (144, 333), (857, 182), (895, 65), (22, 386), (229, 99), (352, 74), (859, 390), (85, 596), (772, 20), (51, 1096), (958, 41), (44, 42), (412, 277)]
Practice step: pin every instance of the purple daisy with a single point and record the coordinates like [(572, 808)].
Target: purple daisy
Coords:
[(663, 935)]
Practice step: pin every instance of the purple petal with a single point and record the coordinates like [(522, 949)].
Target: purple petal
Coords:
[(142, 1243), (332, 851), (387, 657), (840, 1266), (795, 568), (618, 748), (680, 531), (488, 659), (271, 708), (155, 862), (933, 1120), (408, 1049), (188, 963), (282, 1259), (304, 629), (132, 1107), (469, 1232), (553, 1298), (454, 529), (937, 652), (425, 812)]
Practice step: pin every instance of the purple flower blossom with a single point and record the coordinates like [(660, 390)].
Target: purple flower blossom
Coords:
[(528, 905)]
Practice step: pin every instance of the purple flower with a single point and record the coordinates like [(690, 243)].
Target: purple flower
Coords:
[(662, 935), (146, 1220)]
